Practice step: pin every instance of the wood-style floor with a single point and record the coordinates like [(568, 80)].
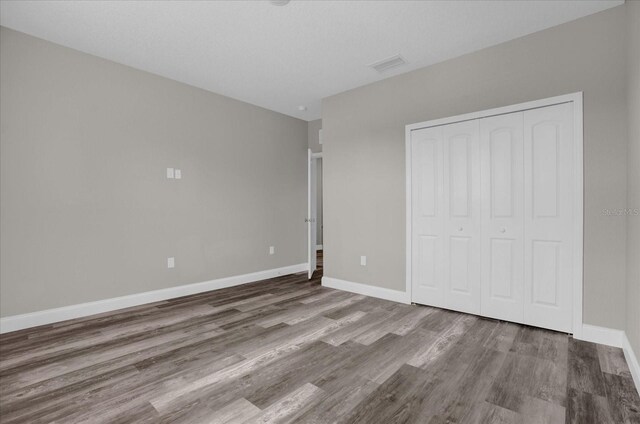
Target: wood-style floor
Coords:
[(289, 350)]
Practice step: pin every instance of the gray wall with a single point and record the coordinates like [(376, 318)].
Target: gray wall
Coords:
[(364, 163), (313, 128), (86, 210), (633, 179)]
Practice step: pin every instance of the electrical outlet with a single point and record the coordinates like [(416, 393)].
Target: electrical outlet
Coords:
[(170, 173), (171, 262), (178, 174), (363, 260), (272, 250)]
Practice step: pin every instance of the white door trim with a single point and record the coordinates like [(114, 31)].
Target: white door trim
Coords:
[(578, 259), (311, 192)]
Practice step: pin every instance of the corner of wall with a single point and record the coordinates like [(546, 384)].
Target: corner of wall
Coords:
[(633, 178)]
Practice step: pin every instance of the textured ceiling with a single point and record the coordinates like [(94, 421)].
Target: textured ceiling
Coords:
[(280, 57)]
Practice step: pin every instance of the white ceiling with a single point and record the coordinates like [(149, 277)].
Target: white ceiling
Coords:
[(280, 57)]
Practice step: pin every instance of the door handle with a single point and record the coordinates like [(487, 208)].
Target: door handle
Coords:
[(460, 229), (503, 230)]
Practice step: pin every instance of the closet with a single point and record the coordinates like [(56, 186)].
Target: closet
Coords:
[(493, 215)]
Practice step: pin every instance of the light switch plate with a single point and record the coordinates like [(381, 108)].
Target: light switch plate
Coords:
[(272, 250), (363, 260), (178, 174), (170, 173), (171, 262)]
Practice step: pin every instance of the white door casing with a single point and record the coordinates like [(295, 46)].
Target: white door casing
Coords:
[(525, 213), (311, 212)]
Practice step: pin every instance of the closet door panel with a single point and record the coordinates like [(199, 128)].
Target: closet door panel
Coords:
[(502, 168), (462, 216), (427, 184), (502, 279), (459, 190), (549, 216), (460, 256)]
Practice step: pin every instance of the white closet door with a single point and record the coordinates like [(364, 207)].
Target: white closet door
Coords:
[(462, 216), (502, 216), (548, 216), (427, 184)]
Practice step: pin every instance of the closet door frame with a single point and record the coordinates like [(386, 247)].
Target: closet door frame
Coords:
[(578, 184)]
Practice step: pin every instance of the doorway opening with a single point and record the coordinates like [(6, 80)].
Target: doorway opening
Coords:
[(314, 220)]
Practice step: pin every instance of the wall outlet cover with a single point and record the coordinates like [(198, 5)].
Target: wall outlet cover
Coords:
[(178, 174), (171, 262), (170, 173)]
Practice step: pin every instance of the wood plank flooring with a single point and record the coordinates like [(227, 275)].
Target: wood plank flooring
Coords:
[(289, 350)]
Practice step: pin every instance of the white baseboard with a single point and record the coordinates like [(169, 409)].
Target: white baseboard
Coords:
[(616, 338), (367, 290), (318, 247), (49, 316), (632, 361), (602, 335)]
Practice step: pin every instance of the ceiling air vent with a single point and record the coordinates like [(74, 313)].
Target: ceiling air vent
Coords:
[(388, 63)]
